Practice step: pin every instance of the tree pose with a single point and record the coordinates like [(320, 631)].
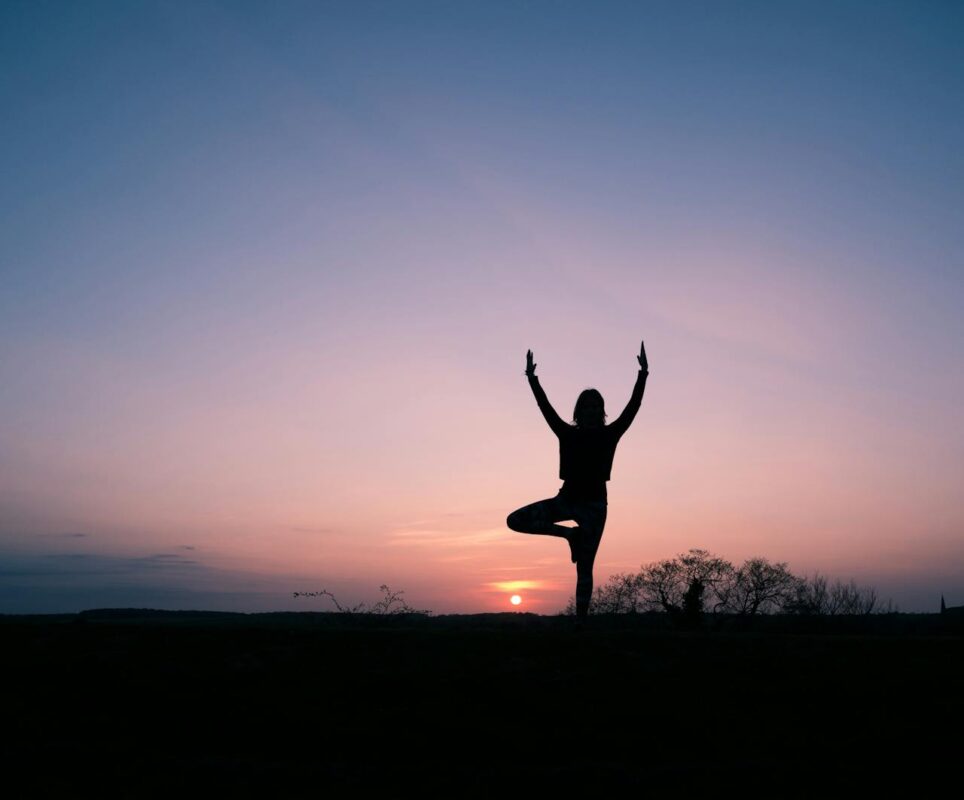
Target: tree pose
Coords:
[(586, 451)]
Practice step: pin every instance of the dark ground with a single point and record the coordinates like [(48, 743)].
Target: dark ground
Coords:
[(133, 703)]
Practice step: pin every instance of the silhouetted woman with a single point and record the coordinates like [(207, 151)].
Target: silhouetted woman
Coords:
[(586, 451)]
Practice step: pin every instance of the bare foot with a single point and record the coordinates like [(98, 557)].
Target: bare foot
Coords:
[(575, 544)]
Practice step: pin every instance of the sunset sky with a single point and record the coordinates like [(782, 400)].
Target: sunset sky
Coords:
[(270, 272)]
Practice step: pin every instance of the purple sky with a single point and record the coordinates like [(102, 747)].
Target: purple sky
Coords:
[(270, 272)]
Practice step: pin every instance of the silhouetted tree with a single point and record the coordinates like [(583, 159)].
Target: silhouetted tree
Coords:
[(663, 586), (619, 595), (697, 581), (692, 611), (666, 583), (808, 596), (848, 598), (815, 596), (758, 586)]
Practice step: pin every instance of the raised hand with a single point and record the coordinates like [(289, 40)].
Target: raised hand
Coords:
[(641, 358), (530, 367)]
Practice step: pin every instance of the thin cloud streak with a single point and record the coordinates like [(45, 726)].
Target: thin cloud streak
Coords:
[(442, 538)]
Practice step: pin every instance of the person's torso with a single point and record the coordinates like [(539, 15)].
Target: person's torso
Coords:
[(586, 456)]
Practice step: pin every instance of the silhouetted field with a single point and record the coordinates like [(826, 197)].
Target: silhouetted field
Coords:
[(135, 702)]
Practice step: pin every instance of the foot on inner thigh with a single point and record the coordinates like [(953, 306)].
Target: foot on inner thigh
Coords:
[(574, 537)]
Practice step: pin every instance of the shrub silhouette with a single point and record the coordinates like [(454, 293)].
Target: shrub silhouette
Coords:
[(391, 603)]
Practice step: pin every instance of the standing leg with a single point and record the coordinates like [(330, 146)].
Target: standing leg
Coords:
[(592, 519)]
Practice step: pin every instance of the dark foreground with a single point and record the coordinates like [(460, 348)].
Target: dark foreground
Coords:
[(139, 703)]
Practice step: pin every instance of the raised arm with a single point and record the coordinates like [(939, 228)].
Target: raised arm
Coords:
[(622, 423), (555, 421)]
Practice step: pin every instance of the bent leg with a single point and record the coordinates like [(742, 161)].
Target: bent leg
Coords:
[(540, 517)]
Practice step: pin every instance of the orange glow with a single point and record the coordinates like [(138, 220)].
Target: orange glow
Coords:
[(514, 586)]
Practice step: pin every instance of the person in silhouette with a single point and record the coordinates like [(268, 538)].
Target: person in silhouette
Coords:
[(586, 450)]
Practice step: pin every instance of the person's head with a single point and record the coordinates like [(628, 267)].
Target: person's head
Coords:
[(590, 410)]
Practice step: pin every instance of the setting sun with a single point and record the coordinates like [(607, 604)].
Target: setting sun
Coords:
[(515, 599)]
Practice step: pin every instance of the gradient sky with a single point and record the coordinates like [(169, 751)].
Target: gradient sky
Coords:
[(270, 272)]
